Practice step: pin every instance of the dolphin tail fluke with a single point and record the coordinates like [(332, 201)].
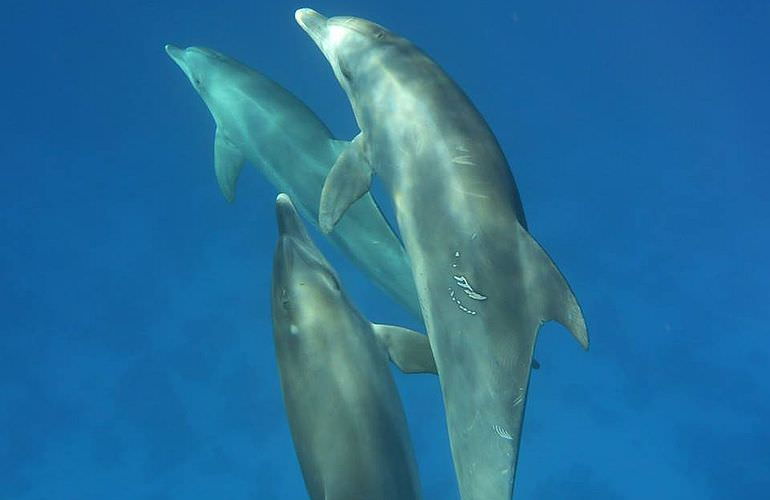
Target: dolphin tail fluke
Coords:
[(228, 161), (348, 180), (559, 303), (408, 350)]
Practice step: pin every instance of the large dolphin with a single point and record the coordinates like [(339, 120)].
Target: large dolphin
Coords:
[(485, 285), (345, 415), (259, 121)]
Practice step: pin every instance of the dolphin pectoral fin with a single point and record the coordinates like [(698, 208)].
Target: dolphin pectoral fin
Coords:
[(347, 181), (228, 161), (339, 146), (535, 364), (558, 301), (409, 350)]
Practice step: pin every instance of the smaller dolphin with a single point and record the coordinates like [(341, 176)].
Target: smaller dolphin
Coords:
[(261, 122), (345, 415)]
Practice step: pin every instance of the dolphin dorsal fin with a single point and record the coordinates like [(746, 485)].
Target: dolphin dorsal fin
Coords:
[(558, 302), (408, 350), (228, 161), (347, 181)]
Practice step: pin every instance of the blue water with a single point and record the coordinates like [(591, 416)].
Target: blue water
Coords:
[(136, 354)]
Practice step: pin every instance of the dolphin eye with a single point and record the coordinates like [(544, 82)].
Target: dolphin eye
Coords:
[(335, 283), (197, 81)]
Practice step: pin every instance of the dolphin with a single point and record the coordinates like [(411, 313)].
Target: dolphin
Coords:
[(485, 285), (345, 415), (259, 121)]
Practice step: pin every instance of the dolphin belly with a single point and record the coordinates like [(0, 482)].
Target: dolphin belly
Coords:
[(484, 284), (345, 416)]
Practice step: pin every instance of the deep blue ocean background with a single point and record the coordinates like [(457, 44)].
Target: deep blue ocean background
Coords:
[(136, 352)]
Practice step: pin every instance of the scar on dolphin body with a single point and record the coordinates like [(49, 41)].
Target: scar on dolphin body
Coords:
[(462, 282)]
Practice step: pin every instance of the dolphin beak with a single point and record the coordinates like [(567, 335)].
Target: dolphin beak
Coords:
[(295, 247), (289, 223), (175, 53), (313, 23), (178, 56)]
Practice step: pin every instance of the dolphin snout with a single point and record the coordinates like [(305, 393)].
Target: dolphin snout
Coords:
[(174, 52), (289, 223), (284, 210), (312, 22)]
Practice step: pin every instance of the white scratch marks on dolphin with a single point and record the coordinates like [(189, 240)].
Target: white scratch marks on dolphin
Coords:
[(519, 399), (464, 160), (460, 304), (502, 432), (462, 282)]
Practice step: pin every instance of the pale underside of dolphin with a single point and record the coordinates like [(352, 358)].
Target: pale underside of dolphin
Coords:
[(485, 285), (259, 121), (345, 415)]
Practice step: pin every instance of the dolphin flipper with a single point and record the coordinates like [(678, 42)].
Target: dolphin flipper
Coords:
[(228, 161), (408, 350), (338, 146), (348, 180), (559, 303)]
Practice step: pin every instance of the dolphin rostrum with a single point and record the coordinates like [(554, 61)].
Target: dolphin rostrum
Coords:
[(346, 418), (261, 122), (485, 285)]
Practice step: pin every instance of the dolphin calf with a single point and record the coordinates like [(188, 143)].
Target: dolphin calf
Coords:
[(259, 121), (345, 415), (485, 285)]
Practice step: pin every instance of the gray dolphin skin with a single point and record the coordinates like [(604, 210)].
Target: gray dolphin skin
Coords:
[(485, 285), (259, 121), (345, 415)]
